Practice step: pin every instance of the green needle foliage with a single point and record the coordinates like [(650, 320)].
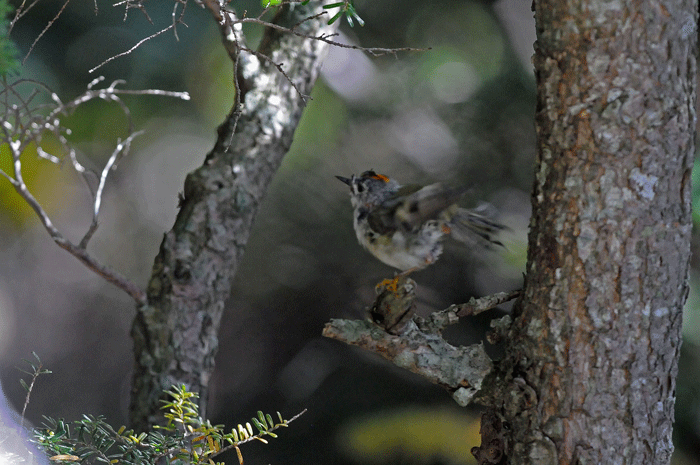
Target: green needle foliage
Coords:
[(8, 52), (345, 8), (186, 439)]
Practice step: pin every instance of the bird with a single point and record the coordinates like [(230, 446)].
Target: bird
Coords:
[(404, 226)]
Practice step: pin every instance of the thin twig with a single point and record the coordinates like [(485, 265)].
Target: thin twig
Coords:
[(35, 375), (82, 255), (233, 40), (237, 106), (120, 150), (476, 306), (138, 44), (46, 28), (178, 20), (21, 11), (31, 122), (37, 370), (437, 321), (374, 51), (129, 5), (280, 69), (229, 23)]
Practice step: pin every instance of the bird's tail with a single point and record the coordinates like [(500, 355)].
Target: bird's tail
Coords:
[(472, 227)]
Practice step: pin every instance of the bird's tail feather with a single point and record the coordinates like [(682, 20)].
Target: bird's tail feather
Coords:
[(471, 227)]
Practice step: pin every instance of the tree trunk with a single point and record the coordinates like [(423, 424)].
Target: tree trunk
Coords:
[(175, 335), (593, 353)]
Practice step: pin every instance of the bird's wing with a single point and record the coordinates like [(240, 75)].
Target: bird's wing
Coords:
[(412, 206)]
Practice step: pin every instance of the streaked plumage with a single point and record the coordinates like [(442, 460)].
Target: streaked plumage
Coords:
[(403, 226)]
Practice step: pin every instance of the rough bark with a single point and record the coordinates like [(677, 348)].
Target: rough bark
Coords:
[(593, 352), (175, 335)]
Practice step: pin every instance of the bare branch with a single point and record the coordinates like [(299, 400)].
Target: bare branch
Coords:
[(416, 344), (461, 370), (437, 321), (138, 44), (46, 28), (128, 5), (8, 177), (24, 123), (120, 151), (232, 38), (237, 99), (19, 12), (47, 156), (178, 20), (233, 41), (374, 51), (280, 69), (309, 18), (81, 254)]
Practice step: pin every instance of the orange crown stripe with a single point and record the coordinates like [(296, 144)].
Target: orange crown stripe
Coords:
[(381, 177)]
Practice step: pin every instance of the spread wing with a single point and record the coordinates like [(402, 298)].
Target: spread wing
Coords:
[(413, 206)]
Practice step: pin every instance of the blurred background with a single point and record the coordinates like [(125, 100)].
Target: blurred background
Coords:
[(461, 113)]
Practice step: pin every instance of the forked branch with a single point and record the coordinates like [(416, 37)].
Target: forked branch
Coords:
[(416, 344), (31, 111)]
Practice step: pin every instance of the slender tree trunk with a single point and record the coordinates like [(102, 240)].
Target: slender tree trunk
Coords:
[(175, 335), (593, 353)]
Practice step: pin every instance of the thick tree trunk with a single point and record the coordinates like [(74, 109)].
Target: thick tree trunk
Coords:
[(593, 353), (175, 335)]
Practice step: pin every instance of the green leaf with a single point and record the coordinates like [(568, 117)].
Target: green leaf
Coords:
[(360, 21), (259, 426), (334, 18)]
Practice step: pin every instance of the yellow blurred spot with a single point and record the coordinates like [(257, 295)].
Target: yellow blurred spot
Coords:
[(46, 182), (64, 458), (419, 433)]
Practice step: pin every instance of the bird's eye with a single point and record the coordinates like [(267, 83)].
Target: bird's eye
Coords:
[(360, 188)]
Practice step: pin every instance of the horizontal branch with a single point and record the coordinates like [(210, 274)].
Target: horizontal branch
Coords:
[(374, 51), (415, 343), (437, 321), (461, 370)]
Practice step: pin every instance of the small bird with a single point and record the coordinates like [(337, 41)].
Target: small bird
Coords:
[(403, 226)]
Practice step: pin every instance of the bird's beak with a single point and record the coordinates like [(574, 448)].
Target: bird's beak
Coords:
[(347, 181)]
